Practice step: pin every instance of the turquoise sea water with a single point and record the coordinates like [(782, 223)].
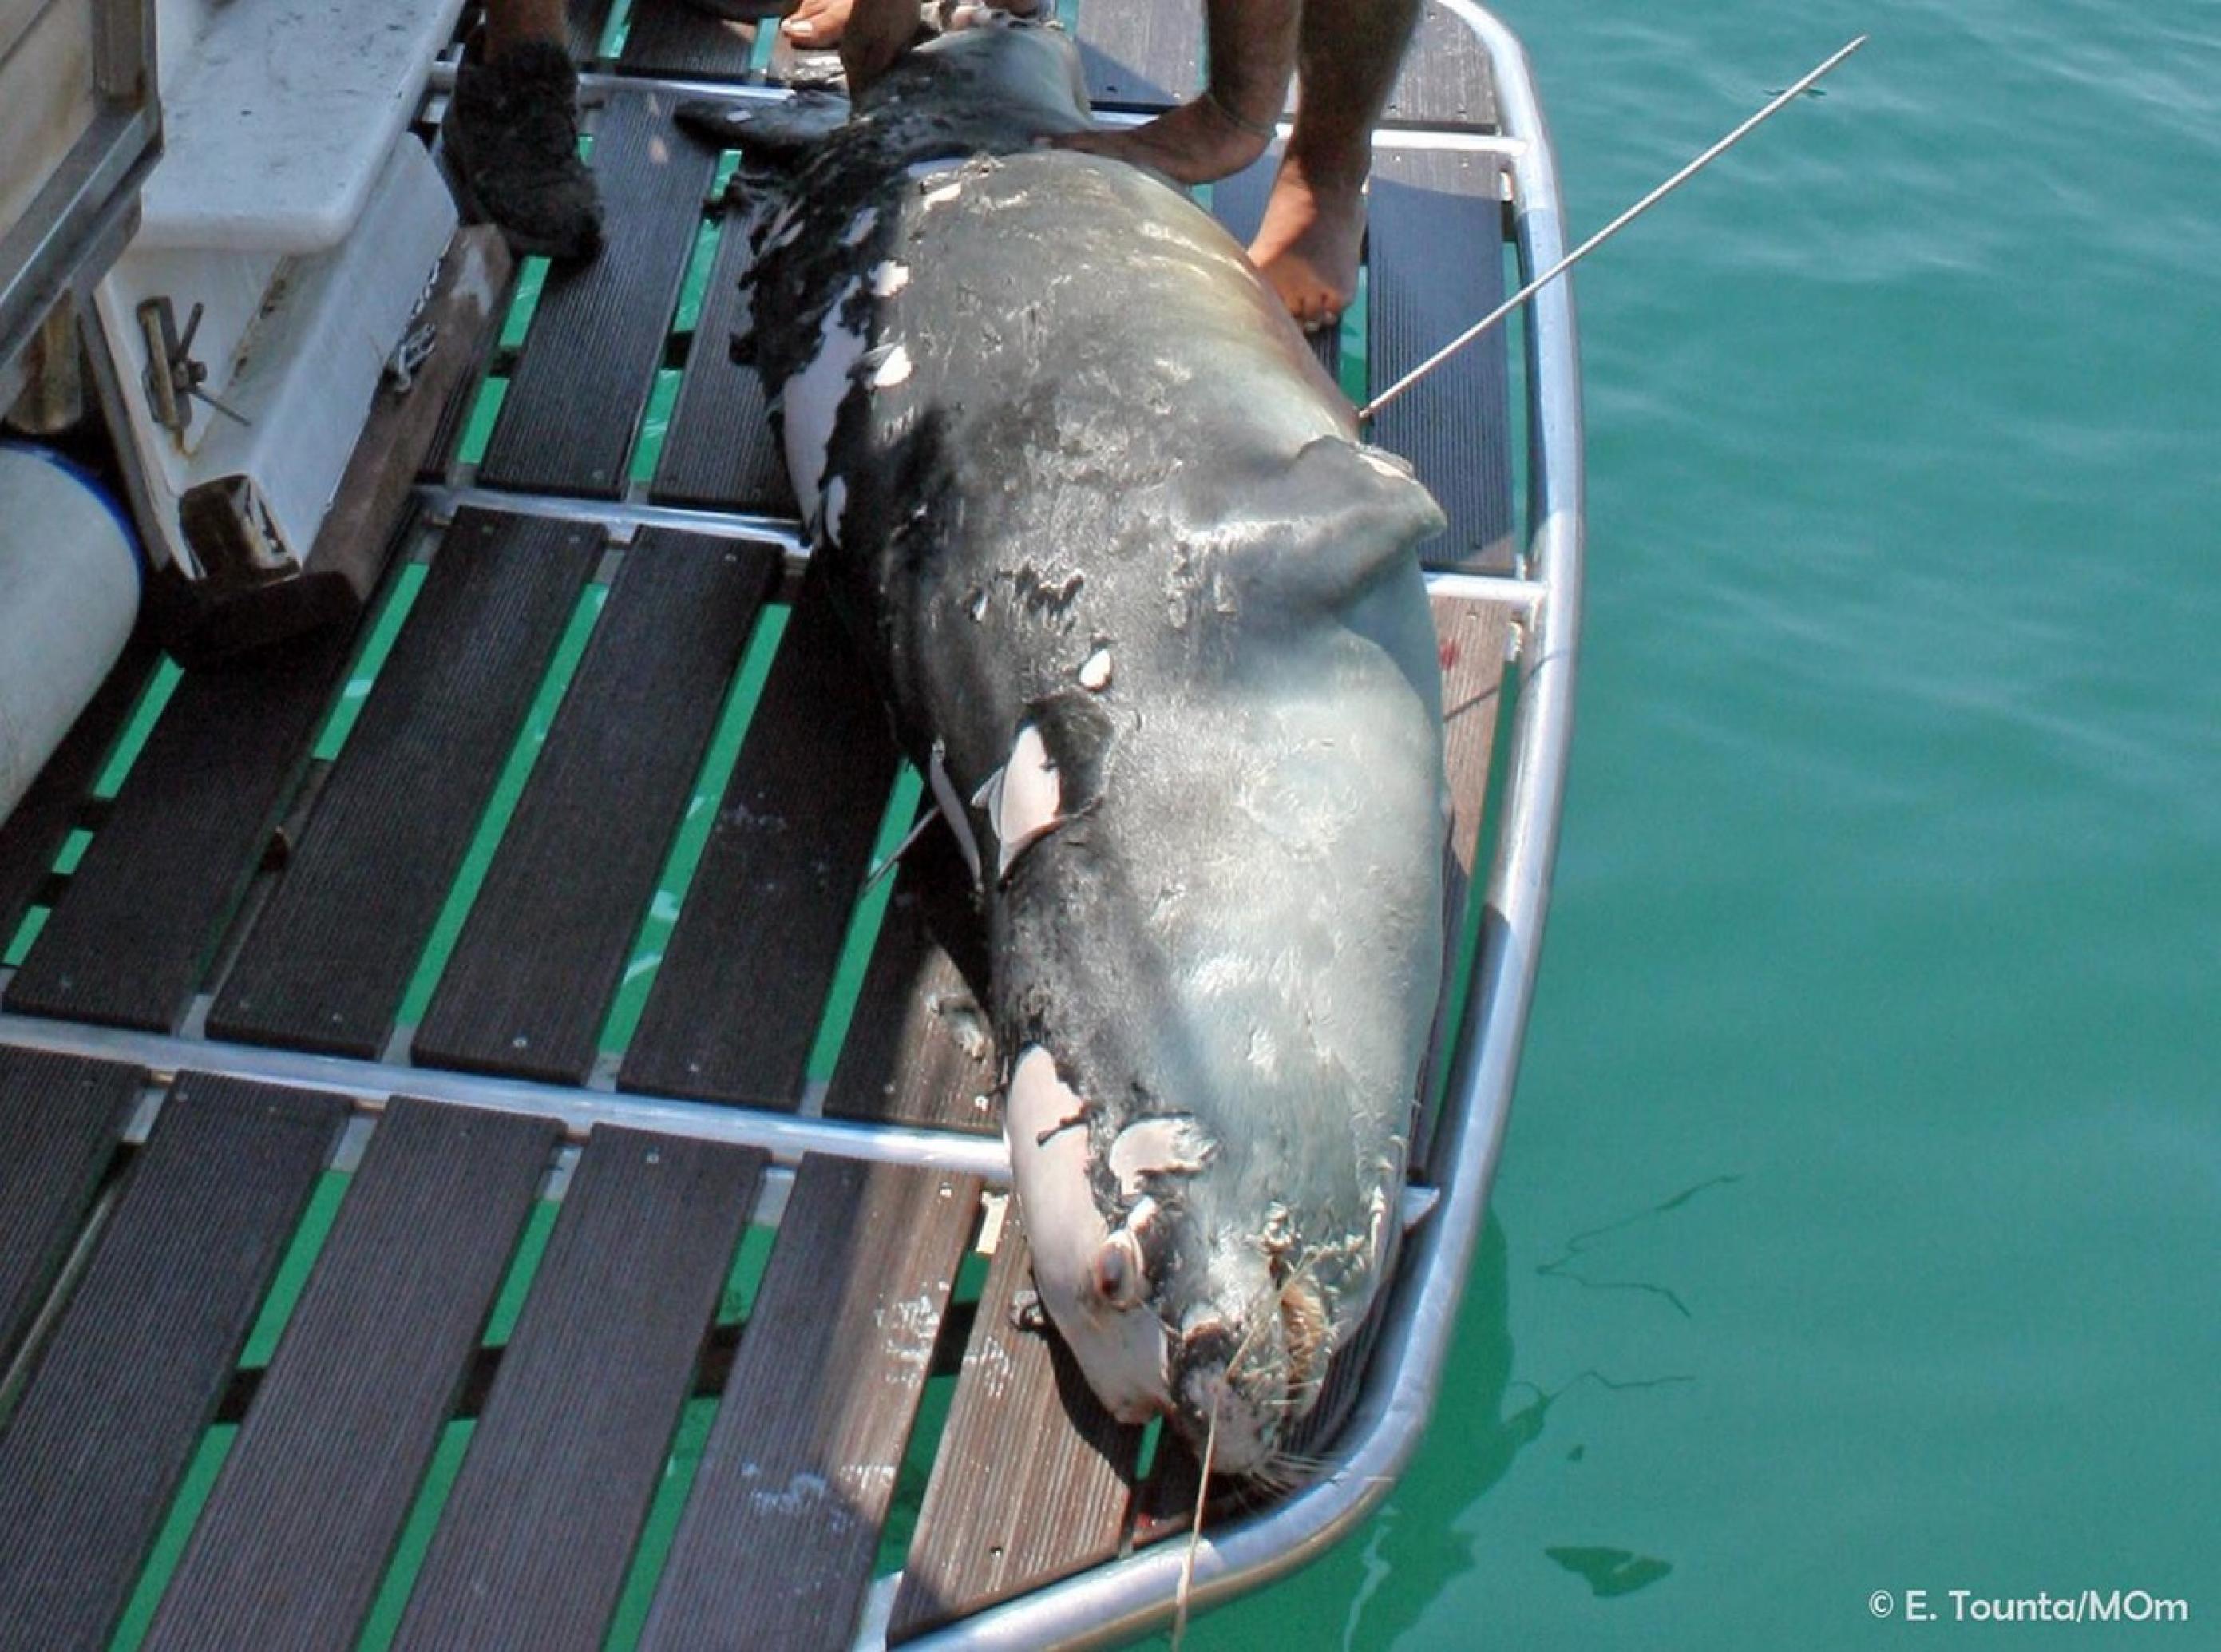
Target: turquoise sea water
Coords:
[(1860, 1224)]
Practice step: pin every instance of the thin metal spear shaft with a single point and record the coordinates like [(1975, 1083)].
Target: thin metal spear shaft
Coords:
[(1605, 234)]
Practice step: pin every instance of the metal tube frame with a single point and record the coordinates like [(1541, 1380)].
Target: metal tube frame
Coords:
[(1127, 1597)]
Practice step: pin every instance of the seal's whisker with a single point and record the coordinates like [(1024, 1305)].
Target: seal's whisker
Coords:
[(1195, 1531)]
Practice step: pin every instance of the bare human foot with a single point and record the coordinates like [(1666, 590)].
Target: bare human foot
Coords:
[(1307, 247), (816, 25)]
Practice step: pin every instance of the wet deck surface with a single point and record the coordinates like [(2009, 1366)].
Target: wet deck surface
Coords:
[(469, 835)]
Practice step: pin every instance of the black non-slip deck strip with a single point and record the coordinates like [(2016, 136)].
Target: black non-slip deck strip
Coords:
[(1445, 81), (532, 1548), (1238, 202), (588, 20), (59, 1120), (678, 39), (31, 834), (116, 1405), (294, 1541), (919, 1049), (1141, 54), (737, 999), (1435, 236), (327, 962), (546, 945), (596, 339), (1033, 1478), (719, 453), (776, 1544), (128, 944)]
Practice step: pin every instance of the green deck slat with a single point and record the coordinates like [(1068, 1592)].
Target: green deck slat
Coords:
[(60, 1117), (736, 1001), (31, 833), (1033, 1479), (129, 942), (776, 1545), (1445, 81), (546, 945), (720, 454), (588, 21), (118, 1402), (533, 1545), (1141, 54), (327, 963), (598, 337), (1435, 238), (294, 1540)]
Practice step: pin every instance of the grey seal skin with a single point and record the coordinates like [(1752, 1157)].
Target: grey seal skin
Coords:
[(1149, 619)]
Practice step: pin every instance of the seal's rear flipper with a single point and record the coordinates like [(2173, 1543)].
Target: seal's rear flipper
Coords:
[(777, 134)]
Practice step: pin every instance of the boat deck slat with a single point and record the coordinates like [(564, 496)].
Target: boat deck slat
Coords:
[(530, 980), (1453, 425), (135, 930), (327, 962), (919, 1050), (33, 832), (60, 1118), (598, 336), (118, 1402), (321, 1478), (781, 1526), (1472, 638), (1140, 56), (719, 452), (1446, 81), (663, 38), (533, 1542), (1033, 1478), (735, 1003)]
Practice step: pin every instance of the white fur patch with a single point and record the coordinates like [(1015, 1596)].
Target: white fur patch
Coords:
[(1122, 1351), (811, 403)]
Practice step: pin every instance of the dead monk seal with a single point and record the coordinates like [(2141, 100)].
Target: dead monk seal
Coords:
[(1149, 619)]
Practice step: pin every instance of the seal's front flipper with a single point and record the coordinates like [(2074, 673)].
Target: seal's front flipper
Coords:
[(777, 134), (1312, 534)]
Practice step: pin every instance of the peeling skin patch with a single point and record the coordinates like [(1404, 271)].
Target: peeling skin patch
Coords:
[(836, 501), (889, 279), (1024, 798), (941, 195), (892, 371), (1157, 1147), (860, 227), (811, 401), (1095, 671), (1122, 1351)]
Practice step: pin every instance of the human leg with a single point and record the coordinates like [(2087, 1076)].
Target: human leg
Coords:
[(511, 132), (1314, 226)]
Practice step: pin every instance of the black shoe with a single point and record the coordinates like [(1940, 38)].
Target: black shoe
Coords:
[(512, 134)]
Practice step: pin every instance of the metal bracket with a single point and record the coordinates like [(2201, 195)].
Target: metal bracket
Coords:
[(172, 376), (413, 352)]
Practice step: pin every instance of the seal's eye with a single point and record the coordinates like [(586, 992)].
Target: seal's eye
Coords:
[(1120, 1280)]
